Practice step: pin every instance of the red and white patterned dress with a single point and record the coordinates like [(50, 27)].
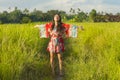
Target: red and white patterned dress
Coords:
[(56, 43)]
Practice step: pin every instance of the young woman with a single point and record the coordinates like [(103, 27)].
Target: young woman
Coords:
[(56, 30)]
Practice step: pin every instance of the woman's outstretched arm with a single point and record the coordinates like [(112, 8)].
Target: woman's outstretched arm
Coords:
[(81, 27), (36, 26), (44, 30), (72, 30)]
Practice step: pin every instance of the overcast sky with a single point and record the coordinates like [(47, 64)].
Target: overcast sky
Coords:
[(110, 6)]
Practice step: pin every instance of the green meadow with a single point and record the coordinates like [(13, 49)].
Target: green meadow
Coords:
[(93, 55)]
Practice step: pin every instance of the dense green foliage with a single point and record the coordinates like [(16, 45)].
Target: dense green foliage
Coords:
[(25, 16)]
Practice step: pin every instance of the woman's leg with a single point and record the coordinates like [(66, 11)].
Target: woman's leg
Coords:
[(52, 62), (60, 62)]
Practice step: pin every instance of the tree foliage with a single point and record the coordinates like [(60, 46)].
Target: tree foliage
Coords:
[(25, 16)]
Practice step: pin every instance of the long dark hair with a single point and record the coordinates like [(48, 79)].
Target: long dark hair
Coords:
[(59, 26)]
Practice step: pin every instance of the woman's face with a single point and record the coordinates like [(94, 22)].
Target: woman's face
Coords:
[(56, 18)]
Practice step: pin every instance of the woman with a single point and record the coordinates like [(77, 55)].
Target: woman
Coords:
[(56, 31)]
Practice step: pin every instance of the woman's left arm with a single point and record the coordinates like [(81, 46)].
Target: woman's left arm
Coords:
[(72, 30), (81, 27)]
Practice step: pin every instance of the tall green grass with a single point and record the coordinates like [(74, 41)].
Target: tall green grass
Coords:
[(93, 55)]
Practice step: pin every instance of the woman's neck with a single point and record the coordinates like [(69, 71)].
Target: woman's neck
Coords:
[(56, 24)]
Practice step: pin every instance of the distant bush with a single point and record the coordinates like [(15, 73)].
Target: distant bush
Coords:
[(26, 20), (1, 22)]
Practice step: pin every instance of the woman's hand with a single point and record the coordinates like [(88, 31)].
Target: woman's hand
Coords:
[(36, 26), (81, 27)]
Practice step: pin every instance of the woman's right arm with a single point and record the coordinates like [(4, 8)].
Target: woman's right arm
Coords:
[(44, 30), (36, 26)]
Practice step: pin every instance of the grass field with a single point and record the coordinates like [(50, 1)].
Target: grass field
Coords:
[(93, 55)]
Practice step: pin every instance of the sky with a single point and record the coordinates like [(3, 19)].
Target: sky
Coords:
[(109, 6)]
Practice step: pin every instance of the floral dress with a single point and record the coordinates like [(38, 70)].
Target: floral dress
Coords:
[(56, 43)]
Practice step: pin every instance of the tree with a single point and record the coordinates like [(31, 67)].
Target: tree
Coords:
[(26, 11), (36, 15), (81, 16), (4, 17), (92, 15), (15, 16), (25, 20), (72, 11)]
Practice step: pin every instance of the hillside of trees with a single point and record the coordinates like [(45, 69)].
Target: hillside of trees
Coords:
[(25, 16)]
